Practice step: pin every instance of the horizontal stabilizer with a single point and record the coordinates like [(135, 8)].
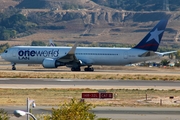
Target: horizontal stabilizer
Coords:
[(165, 53)]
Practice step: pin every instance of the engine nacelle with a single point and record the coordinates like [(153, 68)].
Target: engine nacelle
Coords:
[(51, 63)]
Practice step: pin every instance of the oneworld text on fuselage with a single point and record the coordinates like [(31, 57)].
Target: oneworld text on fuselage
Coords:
[(27, 54)]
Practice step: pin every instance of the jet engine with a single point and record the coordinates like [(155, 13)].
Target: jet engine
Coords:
[(51, 63), (171, 56)]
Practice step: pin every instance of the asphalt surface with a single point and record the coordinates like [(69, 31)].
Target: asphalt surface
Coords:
[(94, 84), (115, 113)]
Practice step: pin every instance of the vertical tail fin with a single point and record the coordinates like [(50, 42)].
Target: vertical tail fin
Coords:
[(152, 40), (51, 43)]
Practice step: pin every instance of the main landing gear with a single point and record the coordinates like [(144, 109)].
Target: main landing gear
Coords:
[(75, 69), (89, 69), (13, 66), (85, 69)]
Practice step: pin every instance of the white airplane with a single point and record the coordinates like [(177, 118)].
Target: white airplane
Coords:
[(75, 57)]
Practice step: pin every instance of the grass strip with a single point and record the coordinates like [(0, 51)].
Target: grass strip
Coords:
[(122, 97), (88, 75)]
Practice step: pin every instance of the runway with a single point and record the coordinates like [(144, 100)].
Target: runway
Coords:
[(115, 113), (24, 83)]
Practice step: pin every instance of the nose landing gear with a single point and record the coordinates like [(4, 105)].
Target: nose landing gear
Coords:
[(13, 66)]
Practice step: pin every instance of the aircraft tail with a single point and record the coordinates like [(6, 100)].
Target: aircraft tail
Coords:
[(152, 40), (51, 43)]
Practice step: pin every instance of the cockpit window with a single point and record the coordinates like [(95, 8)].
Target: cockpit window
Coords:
[(5, 51)]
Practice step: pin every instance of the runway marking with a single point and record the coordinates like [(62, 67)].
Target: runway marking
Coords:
[(1, 79), (60, 80), (63, 80)]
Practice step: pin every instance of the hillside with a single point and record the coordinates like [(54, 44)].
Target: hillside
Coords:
[(52, 4), (141, 5), (6, 3), (92, 22), (129, 5)]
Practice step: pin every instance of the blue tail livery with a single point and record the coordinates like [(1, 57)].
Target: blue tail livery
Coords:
[(152, 40)]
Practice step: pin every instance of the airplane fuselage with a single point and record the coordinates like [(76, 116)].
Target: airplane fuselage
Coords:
[(93, 55)]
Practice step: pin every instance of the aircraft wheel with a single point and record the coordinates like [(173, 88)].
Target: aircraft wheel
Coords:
[(89, 69), (13, 68), (72, 69), (92, 69), (85, 69), (76, 69)]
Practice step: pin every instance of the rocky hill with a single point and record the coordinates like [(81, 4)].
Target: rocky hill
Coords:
[(7, 3), (129, 5), (52, 4), (141, 5), (93, 22)]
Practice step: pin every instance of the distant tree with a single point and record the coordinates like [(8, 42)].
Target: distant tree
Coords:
[(70, 6), (177, 64), (74, 110), (3, 47), (5, 35), (38, 43), (34, 17), (4, 115), (70, 16), (165, 62), (51, 27), (178, 55), (9, 12), (14, 20), (10, 26)]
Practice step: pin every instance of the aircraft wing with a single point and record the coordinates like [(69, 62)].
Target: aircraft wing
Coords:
[(70, 56)]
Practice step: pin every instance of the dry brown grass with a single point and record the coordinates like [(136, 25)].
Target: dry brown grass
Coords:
[(56, 96), (123, 97), (95, 76), (67, 74), (113, 73), (60, 37)]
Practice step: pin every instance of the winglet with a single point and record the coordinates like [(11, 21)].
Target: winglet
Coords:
[(152, 40)]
